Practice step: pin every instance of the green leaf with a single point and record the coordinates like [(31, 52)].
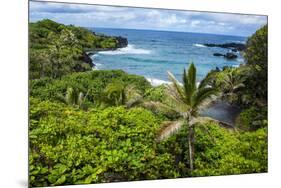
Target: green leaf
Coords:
[(61, 180), (88, 179)]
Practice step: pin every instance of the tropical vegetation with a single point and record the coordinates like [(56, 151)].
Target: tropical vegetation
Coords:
[(94, 126), (57, 49)]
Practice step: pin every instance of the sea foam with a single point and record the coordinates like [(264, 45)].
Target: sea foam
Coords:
[(199, 45), (239, 41), (97, 65), (157, 82), (130, 49)]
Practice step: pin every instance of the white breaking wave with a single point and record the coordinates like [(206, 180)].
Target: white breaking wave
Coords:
[(157, 82), (240, 41), (130, 49), (94, 56), (199, 45), (97, 65)]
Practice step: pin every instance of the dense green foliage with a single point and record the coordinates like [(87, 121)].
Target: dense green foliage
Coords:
[(70, 146), (227, 152), (219, 151), (256, 58), (104, 125), (94, 83), (252, 119), (57, 49)]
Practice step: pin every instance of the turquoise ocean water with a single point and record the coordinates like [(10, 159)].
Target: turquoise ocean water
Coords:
[(153, 53)]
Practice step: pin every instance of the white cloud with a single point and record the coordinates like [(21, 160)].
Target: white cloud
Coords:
[(139, 18), (195, 23)]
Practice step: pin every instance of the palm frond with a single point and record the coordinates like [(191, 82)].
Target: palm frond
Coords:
[(70, 96), (240, 85), (203, 95), (192, 77), (134, 101), (133, 96), (200, 120), (187, 86), (80, 99), (61, 98), (169, 128), (171, 92), (177, 105), (207, 80), (175, 88)]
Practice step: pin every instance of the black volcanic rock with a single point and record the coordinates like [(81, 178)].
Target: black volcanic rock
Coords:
[(232, 46), (230, 55), (218, 54), (122, 42), (86, 58)]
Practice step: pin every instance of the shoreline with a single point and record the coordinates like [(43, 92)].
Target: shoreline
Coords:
[(155, 82)]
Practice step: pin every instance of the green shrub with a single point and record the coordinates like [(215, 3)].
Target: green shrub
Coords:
[(92, 82), (218, 151), (155, 93), (252, 119), (225, 152), (70, 146)]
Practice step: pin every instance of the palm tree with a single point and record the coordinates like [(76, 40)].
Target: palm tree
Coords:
[(187, 99), (120, 94), (74, 98), (231, 83)]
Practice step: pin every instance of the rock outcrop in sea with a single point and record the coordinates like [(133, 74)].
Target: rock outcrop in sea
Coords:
[(85, 57), (122, 42), (233, 46), (228, 55)]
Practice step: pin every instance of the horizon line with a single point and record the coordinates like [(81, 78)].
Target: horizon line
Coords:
[(143, 29), (164, 31)]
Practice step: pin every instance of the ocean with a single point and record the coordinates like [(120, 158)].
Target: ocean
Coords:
[(153, 53)]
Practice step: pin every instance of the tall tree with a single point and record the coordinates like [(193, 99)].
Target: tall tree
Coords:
[(187, 99), (62, 52), (256, 58)]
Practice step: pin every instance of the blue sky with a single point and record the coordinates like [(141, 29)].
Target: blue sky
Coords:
[(152, 19)]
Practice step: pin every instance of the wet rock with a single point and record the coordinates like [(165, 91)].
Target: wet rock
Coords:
[(230, 55), (218, 54), (86, 59), (232, 46), (122, 42)]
